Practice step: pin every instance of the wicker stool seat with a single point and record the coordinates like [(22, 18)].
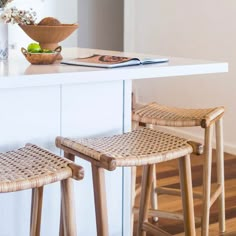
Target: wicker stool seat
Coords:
[(156, 114), (32, 167), (142, 147)]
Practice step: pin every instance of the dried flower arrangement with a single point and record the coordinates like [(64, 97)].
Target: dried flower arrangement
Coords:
[(14, 16), (3, 3)]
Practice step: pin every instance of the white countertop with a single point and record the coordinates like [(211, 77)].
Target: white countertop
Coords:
[(18, 72)]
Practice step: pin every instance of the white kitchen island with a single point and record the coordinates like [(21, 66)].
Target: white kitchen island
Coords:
[(40, 102)]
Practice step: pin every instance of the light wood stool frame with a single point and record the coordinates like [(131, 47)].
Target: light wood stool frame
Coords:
[(208, 198), (105, 162)]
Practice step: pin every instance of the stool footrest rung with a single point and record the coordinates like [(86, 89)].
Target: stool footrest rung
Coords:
[(165, 215), (216, 194), (175, 192), (154, 230)]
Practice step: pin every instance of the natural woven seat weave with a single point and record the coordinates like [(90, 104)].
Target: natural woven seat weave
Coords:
[(31, 167), (156, 114), (140, 147)]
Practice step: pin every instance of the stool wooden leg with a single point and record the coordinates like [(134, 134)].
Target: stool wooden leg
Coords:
[(187, 195), (61, 230), (100, 200), (154, 197), (135, 125), (220, 173), (146, 188), (68, 207), (36, 211), (207, 181)]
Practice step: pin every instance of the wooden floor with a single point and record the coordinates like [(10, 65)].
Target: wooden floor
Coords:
[(167, 175)]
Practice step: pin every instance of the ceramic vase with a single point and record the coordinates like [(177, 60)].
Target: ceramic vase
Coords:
[(3, 38)]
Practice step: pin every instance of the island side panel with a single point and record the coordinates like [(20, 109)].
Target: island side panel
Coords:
[(90, 110), (29, 115)]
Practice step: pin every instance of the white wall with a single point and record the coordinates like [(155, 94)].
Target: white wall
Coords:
[(101, 24), (194, 29)]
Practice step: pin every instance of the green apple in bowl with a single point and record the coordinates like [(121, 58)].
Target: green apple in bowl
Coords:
[(35, 48)]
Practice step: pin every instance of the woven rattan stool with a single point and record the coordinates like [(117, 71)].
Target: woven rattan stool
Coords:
[(156, 114), (142, 147), (32, 167)]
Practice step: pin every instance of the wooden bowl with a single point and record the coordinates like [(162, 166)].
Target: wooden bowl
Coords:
[(41, 58), (49, 36)]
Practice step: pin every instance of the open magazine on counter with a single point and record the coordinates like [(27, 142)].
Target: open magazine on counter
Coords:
[(108, 61)]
